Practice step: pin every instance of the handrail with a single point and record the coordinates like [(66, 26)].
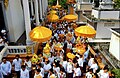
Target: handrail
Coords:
[(12, 50), (2, 53)]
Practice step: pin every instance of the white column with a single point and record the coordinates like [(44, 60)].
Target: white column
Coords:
[(32, 11), (43, 7), (36, 12), (40, 9), (27, 20)]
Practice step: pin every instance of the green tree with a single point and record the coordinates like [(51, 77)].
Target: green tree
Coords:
[(117, 4), (61, 2)]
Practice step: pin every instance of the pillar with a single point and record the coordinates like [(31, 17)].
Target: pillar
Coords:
[(36, 12), (32, 11), (78, 16), (43, 7), (40, 5), (27, 20)]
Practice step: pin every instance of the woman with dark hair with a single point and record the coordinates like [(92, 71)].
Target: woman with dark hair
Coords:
[(77, 71)]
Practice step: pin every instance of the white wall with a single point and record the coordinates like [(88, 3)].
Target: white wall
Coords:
[(104, 31), (95, 13), (109, 15), (115, 46), (15, 20)]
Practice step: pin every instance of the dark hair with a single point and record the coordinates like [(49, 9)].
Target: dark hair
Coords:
[(17, 56), (106, 68), (27, 57), (3, 58), (23, 66), (38, 70), (90, 70)]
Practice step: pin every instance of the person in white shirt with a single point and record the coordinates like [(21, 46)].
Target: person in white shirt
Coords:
[(80, 61), (17, 65), (24, 73), (28, 64), (56, 68), (77, 71), (6, 68), (61, 74), (90, 62), (104, 73), (46, 67), (64, 64), (39, 66), (1, 75), (37, 74), (94, 66), (89, 74), (69, 69)]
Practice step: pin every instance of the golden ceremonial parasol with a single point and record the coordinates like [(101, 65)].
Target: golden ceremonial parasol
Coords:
[(85, 31), (52, 17), (70, 17), (40, 34), (70, 55), (53, 12)]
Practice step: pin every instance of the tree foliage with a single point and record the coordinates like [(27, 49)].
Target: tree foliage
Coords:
[(61, 2), (117, 4)]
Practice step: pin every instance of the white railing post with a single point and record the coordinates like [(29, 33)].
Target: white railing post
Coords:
[(2, 53)]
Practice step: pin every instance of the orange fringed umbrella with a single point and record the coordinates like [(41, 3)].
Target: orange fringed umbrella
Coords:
[(85, 31), (70, 17), (52, 17), (40, 34)]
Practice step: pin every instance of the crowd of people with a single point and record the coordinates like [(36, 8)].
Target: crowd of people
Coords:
[(58, 64)]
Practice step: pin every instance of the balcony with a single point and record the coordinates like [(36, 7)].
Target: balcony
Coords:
[(11, 51)]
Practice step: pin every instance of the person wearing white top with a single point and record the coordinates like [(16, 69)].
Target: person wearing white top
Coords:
[(37, 74), (1, 75), (77, 71), (69, 69), (64, 64), (17, 65), (46, 68), (39, 66), (28, 64), (56, 68), (90, 62), (6, 68), (80, 61), (104, 73), (24, 73), (94, 66), (89, 74)]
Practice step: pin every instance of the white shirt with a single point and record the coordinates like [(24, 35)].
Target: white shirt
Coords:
[(80, 62), (94, 67), (77, 72), (69, 67), (47, 67), (42, 72), (88, 75), (64, 64), (17, 64), (102, 74), (24, 74), (90, 62), (56, 69), (6, 68), (29, 65)]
